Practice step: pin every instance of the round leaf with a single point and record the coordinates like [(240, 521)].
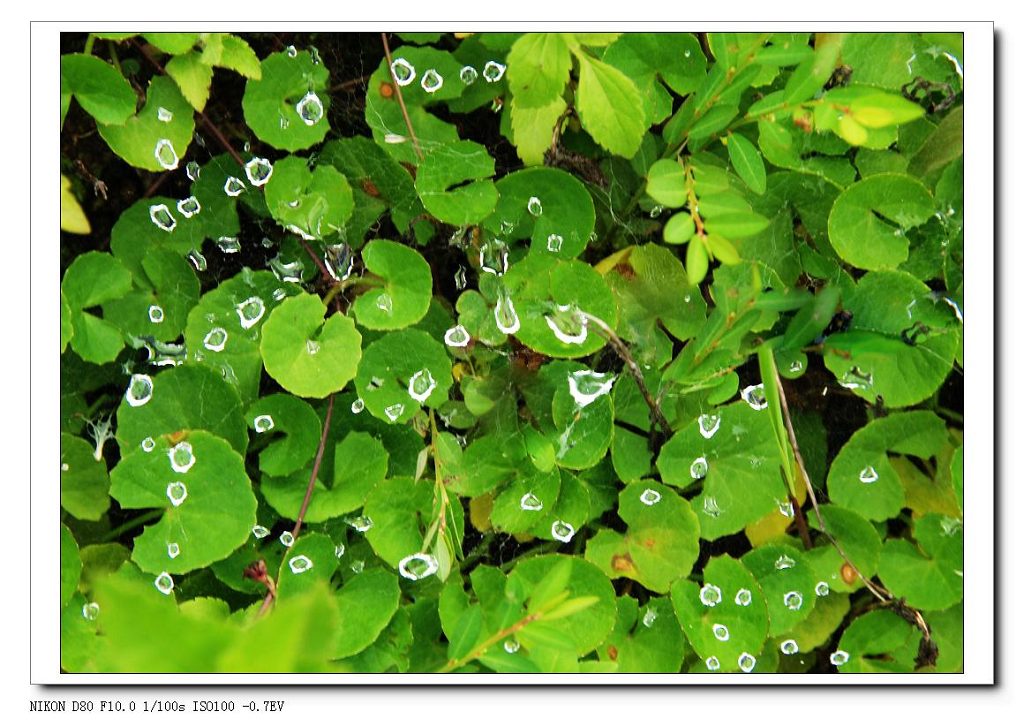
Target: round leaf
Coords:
[(666, 183), (366, 603), (404, 297), (103, 92), (281, 414), (400, 362), (787, 582), (143, 140), (441, 182), (270, 103), (307, 356), (314, 203), (83, 479), (397, 507)]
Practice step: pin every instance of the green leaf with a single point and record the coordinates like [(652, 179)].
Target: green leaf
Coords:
[(441, 183), (174, 408), (878, 641), (70, 565), (193, 77), (879, 59), (747, 162), (549, 207), (943, 146), (538, 491), (402, 371), (696, 261), (72, 216), (209, 506), (539, 284), (679, 228), (666, 183), (931, 575), (787, 581), (532, 129), (660, 544), (83, 479), (397, 507), (145, 140), (101, 90), (901, 342), (582, 431), (237, 55), (91, 280), (863, 479), (271, 102), (736, 447), (811, 74), (161, 301), (173, 43), (538, 69), (366, 603), (279, 414), (730, 605), (307, 356), (313, 204), (588, 628), (857, 538), (648, 644), (607, 101), (856, 227), (404, 297)]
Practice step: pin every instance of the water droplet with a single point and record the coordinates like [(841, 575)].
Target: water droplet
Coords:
[(746, 662), (656, 211), (165, 155), (216, 339), (710, 507), (467, 75), (140, 390), (361, 524), (511, 646), (754, 396), (148, 445), (417, 566), (460, 278), (838, 657), (785, 508), (300, 564), (710, 595), (712, 663), (233, 186), (375, 383), (250, 311), (699, 468), (431, 81), (164, 583), (357, 566), (156, 314), (339, 550), (290, 50), (789, 647), (821, 589), (394, 411), (561, 530), (390, 138), (709, 424), (229, 245), (422, 385), (283, 123), (793, 600), (258, 171), (263, 423), (64, 467), (721, 632), (530, 502), (554, 242), (951, 525), (650, 616), (384, 303), (162, 217), (494, 257), (173, 550), (856, 379), (287, 539), (743, 597), (587, 386), (568, 324), (505, 316), (403, 71), (189, 206), (260, 532), (650, 497), (192, 171), (312, 347), (279, 294), (783, 562), (339, 260), (457, 336), (796, 366), (164, 115), (181, 457), (686, 53), (196, 258), (176, 493), (91, 611), (493, 71), (310, 109), (868, 475), (287, 271), (534, 207)]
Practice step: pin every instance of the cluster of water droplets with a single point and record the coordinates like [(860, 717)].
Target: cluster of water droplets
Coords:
[(417, 566)]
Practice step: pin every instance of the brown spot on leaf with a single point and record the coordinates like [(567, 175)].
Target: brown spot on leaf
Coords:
[(387, 90), (848, 573), (622, 562), (613, 653)]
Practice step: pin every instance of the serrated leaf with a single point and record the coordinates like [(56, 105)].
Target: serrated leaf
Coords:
[(193, 77), (532, 129), (607, 100), (538, 68)]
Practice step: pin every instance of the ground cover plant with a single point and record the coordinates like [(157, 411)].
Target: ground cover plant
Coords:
[(511, 352)]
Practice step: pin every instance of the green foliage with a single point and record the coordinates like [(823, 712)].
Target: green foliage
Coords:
[(681, 395)]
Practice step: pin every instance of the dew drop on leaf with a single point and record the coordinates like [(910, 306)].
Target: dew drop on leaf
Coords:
[(192, 171), (164, 583), (357, 566), (468, 75), (384, 303), (530, 502), (698, 468), (91, 611), (721, 632), (176, 493), (310, 109), (534, 206), (746, 662), (287, 539), (505, 316), (586, 386), (417, 566), (494, 257), (493, 71), (754, 396), (358, 405), (710, 595), (403, 71), (339, 550), (511, 646), (789, 647), (422, 385), (300, 564), (229, 245), (868, 475), (793, 600), (164, 115), (263, 423), (196, 258), (216, 339), (181, 457), (457, 337), (709, 424), (162, 217), (148, 444), (785, 508), (710, 507), (743, 597), (173, 550), (568, 324), (838, 657), (561, 530), (259, 532), (250, 311), (712, 663), (291, 51), (361, 524), (822, 588), (140, 390), (554, 242), (650, 497), (460, 278), (189, 206), (312, 347), (394, 411), (258, 171), (165, 155), (650, 616), (431, 81), (156, 314), (233, 186), (783, 562)]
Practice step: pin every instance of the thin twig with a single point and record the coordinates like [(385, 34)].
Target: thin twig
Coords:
[(401, 101), (271, 593), (622, 350), (346, 85)]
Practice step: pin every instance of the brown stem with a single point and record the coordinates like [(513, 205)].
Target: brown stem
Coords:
[(401, 101), (801, 522)]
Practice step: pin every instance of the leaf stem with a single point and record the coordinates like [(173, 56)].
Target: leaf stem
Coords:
[(401, 101), (494, 639), (135, 522)]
